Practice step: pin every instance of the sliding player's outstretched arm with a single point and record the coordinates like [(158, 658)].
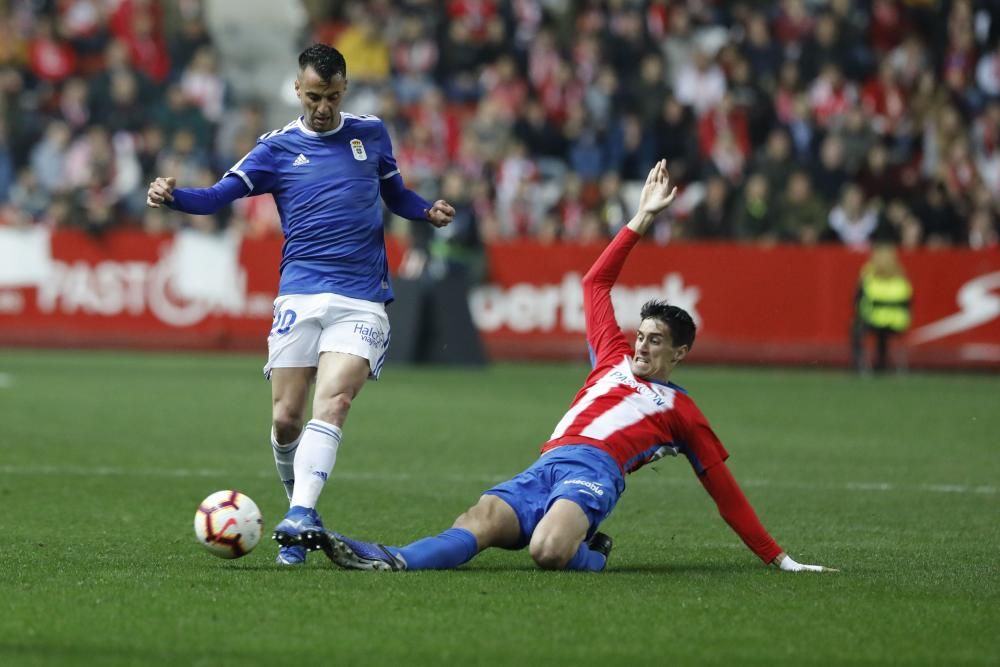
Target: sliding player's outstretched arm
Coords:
[(603, 333), (707, 455)]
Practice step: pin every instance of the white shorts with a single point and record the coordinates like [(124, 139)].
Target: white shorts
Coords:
[(307, 324)]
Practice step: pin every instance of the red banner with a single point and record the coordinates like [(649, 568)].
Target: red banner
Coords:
[(752, 305)]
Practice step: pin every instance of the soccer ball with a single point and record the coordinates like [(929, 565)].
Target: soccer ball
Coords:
[(228, 524)]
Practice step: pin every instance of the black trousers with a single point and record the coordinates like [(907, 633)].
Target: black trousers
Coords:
[(860, 334)]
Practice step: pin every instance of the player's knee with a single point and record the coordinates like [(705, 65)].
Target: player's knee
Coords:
[(548, 554), (485, 522), (333, 409), (286, 427), (476, 520)]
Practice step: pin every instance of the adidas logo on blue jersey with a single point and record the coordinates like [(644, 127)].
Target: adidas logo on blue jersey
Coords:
[(300, 160)]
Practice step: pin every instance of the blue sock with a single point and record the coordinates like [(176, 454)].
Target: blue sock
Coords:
[(587, 560), (443, 552)]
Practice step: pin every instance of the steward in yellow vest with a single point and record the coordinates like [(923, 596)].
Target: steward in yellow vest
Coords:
[(883, 306)]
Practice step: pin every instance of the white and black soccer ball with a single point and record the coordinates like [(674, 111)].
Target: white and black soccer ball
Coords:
[(228, 524)]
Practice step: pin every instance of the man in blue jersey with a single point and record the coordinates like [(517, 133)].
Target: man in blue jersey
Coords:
[(326, 170)]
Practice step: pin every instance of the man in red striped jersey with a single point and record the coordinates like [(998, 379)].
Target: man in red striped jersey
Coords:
[(626, 415)]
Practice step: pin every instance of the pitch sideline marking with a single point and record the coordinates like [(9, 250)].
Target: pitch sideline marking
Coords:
[(112, 471)]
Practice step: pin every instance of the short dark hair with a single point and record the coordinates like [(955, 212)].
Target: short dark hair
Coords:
[(682, 327), (326, 60)]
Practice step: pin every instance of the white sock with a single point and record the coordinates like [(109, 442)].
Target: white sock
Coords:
[(314, 461), (284, 459)]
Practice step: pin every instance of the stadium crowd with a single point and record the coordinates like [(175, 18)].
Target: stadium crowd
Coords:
[(799, 121)]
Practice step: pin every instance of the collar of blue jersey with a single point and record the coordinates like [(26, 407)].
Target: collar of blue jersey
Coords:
[(313, 133)]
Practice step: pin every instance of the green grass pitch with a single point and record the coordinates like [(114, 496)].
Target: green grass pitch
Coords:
[(104, 457)]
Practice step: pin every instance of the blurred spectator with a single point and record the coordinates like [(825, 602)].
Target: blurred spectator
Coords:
[(752, 100), (700, 83), (49, 58), (149, 144), (420, 157), (887, 25), (711, 219), (984, 232), (458, 64), (516, 175), (502, 85), (561, 93), (569, 210), (455, 251), (28, 197), (202, 84), (126, 112), (651, 91), (237, 136), (884, 100), (139, 23), (48, 158), (179, 113), (793, 24), (755, 217), (364, 47), (184, 156), (878, 178), (676, 137), (191, 38), (534, 129), (117, 63), (801, 215), (414, 57), (603, 99), (84, 23), (761, 51), (909, 60), (680, 44), (822, 48), (851, 221), (774, 161), (940, 223), (613, 209), (585, 149), (856, 137), (74, 103), (831, 96), (629, 151), (830, 174), (626, 42)]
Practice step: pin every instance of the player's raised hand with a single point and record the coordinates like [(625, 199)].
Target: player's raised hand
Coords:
[(787, 564), (657, 193), (441, 213), (160, 191)]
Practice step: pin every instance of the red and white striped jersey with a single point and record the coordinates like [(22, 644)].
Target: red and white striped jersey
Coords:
[(637, 420), (633, 419)]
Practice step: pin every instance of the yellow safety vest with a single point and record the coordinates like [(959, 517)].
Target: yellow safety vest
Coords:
[(885, 302)]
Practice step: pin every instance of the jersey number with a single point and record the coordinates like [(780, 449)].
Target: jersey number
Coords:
[(283, 321)]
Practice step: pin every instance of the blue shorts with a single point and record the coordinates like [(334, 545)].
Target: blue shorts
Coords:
[(586, 475)]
